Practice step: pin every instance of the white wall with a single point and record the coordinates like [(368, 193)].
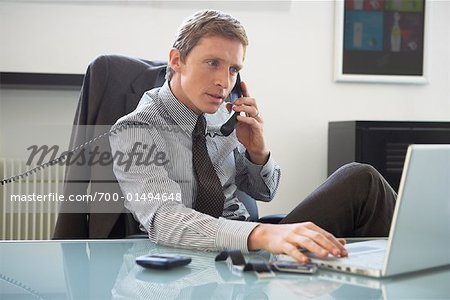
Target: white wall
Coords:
[(289, 68)]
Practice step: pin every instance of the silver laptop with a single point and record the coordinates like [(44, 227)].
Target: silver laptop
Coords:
[(419, 237)]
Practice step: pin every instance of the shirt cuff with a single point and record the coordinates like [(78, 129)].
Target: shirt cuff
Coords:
[(232, 234), (265, 171)]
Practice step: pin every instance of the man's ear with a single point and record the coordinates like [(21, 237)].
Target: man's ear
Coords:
[(175, 59)]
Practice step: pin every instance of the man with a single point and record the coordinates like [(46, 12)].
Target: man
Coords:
[(167, 194)]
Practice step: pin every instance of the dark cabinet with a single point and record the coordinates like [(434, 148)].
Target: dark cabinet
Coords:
[(382, 144)]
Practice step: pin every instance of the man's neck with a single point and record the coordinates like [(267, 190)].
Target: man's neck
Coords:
[(175, 88)]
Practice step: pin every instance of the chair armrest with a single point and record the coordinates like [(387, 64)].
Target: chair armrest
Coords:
[(272, 219)]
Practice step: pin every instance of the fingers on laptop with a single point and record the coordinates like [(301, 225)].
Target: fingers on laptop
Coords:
[(327, 240), (316, 240)]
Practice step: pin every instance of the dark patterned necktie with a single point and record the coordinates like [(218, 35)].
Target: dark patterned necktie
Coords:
[(210, 197)]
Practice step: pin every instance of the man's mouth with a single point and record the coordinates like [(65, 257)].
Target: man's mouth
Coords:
[(218, 97)]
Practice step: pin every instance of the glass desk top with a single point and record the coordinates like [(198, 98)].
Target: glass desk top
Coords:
[(106, 269)]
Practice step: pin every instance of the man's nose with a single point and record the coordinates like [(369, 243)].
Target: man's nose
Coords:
[(223, 79)]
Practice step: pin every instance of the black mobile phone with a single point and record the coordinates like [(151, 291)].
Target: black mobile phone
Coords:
[(162, 261), (294, 267), (227, 128)]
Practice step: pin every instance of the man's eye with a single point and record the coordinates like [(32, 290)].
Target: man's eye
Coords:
[(234, 70), (213, 63)]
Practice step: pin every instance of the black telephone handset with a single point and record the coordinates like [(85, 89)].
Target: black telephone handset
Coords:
[(227, 128)]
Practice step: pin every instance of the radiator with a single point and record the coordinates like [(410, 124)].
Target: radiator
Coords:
[(28, 218)]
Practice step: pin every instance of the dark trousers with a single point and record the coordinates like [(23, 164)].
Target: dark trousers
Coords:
[(355, 201)]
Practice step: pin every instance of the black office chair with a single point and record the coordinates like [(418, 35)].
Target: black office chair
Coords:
[(112, 87)]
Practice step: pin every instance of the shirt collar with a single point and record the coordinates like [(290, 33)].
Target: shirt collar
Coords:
[(179, 112)]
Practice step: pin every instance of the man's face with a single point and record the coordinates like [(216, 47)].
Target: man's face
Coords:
[(206, 77)]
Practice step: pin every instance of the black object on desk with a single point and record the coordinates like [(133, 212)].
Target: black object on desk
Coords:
[(382, 144), (162, 261)]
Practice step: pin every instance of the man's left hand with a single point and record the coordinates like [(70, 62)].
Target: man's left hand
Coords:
[(249, 130)]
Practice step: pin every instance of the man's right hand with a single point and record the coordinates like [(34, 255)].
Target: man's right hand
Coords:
[(289, 238)]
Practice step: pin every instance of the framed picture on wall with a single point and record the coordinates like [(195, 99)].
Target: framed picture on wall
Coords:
[(381, 41)]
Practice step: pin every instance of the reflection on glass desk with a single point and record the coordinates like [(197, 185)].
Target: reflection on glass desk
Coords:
[(106, 269)]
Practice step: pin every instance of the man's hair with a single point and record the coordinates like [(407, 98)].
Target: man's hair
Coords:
[(203, 24)]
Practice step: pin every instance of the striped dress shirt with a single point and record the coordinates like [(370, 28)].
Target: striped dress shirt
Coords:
[(153, 165)]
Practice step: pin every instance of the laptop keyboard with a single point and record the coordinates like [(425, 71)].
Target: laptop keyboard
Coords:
[(374, 260)]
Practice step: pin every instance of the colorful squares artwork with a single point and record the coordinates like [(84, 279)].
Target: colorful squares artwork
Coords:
[(405, 5), (383, 37), (363, 30), (391, 25), (404, 32), (364, 4)]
